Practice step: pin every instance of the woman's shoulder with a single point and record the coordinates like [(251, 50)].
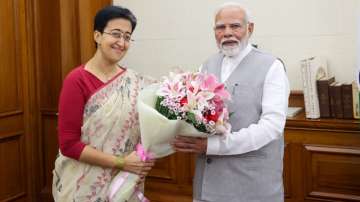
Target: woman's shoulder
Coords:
[(75, 78), (75, 74)]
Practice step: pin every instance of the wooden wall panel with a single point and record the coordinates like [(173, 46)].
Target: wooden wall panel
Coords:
[(49, 75), (324, 159), (87, 11), (48, 52), (77, 43), (70, 43), (296, 99), (171, 179), (9, 86), (40, 43), (332, 173), (12, 174), (165, 169), (50, 148), (9, 125), (13, 167)]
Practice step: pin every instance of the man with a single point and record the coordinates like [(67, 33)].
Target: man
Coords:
[(244, 165)]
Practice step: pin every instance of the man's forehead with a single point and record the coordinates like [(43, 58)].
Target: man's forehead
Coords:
[(232, 21), (234, 14)]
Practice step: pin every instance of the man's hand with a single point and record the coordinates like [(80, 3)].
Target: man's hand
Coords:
[(190, 144)]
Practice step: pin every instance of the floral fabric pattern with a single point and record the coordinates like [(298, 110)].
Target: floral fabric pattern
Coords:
[(110, 125)]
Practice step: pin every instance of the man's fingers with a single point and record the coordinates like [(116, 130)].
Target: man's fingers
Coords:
[(151, 164), (146, 169), (151, 161), (185, 150), (190, 140), (144, 173), (184, 144)]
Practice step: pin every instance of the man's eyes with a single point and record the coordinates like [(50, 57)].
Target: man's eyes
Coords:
[(232, 26)]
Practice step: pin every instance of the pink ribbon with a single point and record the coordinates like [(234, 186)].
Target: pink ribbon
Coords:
[(140, 195), (144, 156), (117, 184)]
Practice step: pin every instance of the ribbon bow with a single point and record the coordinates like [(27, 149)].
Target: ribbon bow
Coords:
[(144, 156)]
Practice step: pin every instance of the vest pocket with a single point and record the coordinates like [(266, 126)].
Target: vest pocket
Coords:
[(244, 94)]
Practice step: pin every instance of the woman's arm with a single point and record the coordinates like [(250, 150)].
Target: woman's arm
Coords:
[(132, 162), (71, 109)]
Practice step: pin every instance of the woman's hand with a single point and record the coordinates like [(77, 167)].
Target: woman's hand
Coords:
[(133, 164)]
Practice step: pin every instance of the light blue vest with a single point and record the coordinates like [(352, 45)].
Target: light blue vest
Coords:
[(254, 176)]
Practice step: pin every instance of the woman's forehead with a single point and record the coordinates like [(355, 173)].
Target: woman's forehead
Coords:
[(120, 24)]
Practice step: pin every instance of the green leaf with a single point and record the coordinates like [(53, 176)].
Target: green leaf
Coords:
[(170, 114), (192, 120)]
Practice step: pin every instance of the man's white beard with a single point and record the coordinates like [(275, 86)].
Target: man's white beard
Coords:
[(231, 51)]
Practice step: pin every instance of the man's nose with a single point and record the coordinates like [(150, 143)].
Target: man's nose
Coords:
[(228, 32)]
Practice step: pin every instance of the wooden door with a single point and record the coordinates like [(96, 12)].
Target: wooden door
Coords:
[(16, 123), (40, 42), (48, 76)]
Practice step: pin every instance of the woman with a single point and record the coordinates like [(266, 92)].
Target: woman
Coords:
[(98, 123)]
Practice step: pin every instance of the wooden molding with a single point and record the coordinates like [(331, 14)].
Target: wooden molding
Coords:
[(296, 98), (331, 173), (164, 170), (11, 113), (70, 36), (10, 135)]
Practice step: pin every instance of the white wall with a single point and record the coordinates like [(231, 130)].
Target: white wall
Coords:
[(179, 33)]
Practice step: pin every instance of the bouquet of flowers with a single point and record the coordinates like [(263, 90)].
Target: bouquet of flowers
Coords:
[(196, 98), (191, 104)]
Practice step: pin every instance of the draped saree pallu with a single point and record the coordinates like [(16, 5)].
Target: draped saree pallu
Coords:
[(110, 124)]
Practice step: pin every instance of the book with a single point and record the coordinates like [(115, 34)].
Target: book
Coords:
[(332, 99), (356, 102), (293, 111), (347, 100), (312, 69), (322, 85), (339, 113), (304, 73)]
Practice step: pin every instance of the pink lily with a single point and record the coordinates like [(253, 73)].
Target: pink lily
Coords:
[(210, 83)]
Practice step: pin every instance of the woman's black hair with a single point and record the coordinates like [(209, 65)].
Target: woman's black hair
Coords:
[(108, 13)]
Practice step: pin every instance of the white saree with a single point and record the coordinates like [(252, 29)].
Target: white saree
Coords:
[(110, 124)]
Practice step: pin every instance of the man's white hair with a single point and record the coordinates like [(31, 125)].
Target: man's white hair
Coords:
[(248, 17)]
